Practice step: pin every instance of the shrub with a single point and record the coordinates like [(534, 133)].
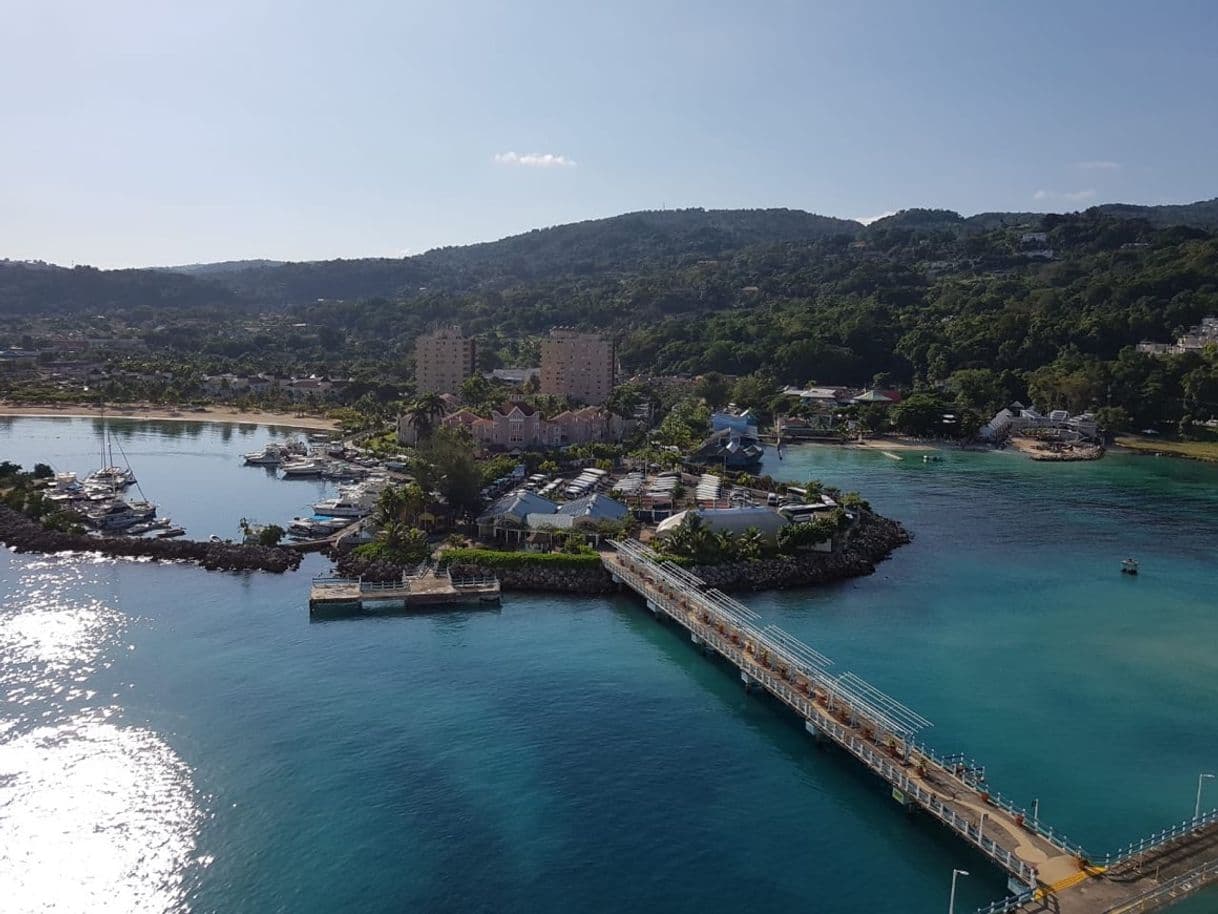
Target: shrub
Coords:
[(493, 558)]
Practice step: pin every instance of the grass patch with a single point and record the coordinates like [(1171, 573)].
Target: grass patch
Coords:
[(1195, 450)]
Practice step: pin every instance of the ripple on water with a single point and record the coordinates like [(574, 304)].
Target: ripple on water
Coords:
[(94, 817), (52, 641)]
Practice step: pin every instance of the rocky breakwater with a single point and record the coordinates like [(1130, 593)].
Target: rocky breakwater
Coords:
[(26, 535), (871, 541)]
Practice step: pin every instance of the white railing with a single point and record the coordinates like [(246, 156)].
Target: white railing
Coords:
[(1007, 905), (1158, 839), (1172, 890), (695, 602)]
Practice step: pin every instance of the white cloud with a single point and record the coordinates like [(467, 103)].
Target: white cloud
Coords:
[(534, 159), (1099, 165), (1070, 196), (867, 220)]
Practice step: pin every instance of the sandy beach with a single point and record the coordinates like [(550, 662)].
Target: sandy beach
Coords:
[(168, 414)]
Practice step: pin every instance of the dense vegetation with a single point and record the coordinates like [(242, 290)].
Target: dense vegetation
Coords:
[(970, 310)]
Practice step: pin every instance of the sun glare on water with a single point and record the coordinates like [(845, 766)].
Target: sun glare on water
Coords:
[(94, 815)]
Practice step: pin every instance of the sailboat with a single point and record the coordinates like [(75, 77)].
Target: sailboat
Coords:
[(110, 476)]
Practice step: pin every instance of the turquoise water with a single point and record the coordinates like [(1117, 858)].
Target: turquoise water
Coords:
[(175, 739)]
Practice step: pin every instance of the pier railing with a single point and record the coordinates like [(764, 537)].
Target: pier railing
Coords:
[(1170, 891), (1008, 904), (848, 694), (1157, 839)]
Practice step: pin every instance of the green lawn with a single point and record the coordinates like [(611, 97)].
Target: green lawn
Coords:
[(1197, 450)]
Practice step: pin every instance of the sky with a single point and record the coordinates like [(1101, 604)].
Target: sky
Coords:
[(140, 133)]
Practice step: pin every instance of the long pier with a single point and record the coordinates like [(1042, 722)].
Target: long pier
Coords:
[(1046, 871)]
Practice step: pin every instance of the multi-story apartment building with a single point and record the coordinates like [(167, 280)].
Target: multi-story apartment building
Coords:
[(581, 366), (442, 360)]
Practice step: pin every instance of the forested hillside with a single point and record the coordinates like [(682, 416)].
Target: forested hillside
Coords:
[(43, 288), (990, 308)]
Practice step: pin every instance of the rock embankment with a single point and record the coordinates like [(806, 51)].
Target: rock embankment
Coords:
[(870, 542), (26, 535)]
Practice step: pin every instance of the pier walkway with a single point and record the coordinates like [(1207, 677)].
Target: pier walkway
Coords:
[(1047, 872)]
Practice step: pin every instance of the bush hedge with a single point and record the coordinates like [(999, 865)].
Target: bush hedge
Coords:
[(493, 558)]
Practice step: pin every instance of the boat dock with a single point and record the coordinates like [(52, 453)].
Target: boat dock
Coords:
[(1046, 871), (424, 588)]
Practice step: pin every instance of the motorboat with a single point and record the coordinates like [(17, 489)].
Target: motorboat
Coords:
[(344, 506), (302, 469), (275, 454), (270, 456), (117, 515), (316, 527)]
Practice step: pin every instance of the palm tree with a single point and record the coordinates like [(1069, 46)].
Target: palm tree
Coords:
[(393, 535), (750, 544), (424, 412), (389, 507)]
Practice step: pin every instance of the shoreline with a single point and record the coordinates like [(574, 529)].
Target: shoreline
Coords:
[(873, 542), (868, 444), (222, 415)]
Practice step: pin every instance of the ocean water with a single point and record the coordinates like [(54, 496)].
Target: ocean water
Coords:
[(174, 740)]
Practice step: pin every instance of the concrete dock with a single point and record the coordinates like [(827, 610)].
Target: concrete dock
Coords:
[(425, 588)]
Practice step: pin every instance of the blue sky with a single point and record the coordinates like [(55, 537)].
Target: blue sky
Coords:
[(156, 133)]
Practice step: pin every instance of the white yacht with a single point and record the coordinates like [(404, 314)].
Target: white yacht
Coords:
[(302, 469), (270, 456), (312, 528), (274, 454), (117, 515), (351, 501)]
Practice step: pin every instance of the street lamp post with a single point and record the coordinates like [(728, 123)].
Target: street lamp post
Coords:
[(1201, 778), (951, 901)]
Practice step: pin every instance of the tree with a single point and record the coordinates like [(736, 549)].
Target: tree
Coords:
[(477, 392), (920, 416), (750, 545), (977, 388), (800, 537), (713, 388), (874, 417), (270, 535), (447, 465), (424, 412), (1112, 419), (625, 400)]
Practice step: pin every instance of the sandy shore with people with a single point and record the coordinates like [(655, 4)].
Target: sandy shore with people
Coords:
[(169, 414)]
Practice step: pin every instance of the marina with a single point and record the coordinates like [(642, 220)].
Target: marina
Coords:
[(407, 714)]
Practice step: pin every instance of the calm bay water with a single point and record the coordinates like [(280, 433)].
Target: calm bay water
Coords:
[(175, 739)]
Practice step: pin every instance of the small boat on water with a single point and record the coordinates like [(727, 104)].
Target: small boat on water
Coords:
[(316, 527), (170, 533), (118, 515), (1129, 566), (275, 454), (113, 478), (302, 469)]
